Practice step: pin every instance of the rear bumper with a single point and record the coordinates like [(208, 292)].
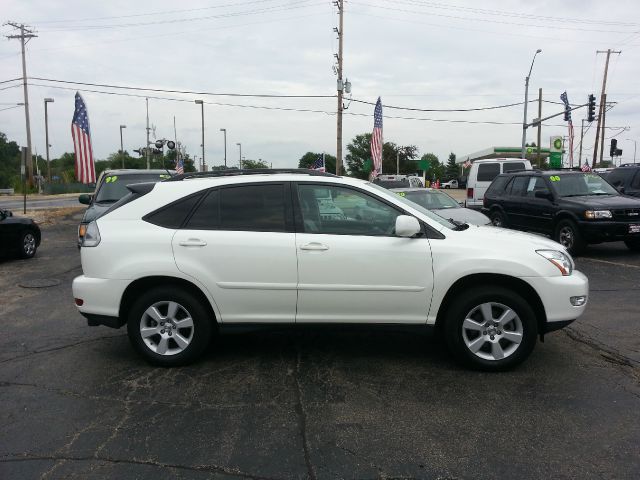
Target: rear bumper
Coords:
[(607, 231), (97, 320), (100, 297)]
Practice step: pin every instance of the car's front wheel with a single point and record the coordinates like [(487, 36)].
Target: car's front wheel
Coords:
[(492, 329), (568, 235), (169, 326), (28, 244), (498, 219)]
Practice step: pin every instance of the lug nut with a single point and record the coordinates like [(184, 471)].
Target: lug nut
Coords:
[(162, 331), (484, 332), (492, 337), (162, 324), (169, 332), (499, 332), (174, 327)]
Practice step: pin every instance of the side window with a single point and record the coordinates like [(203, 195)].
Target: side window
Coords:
[(615, 178), (334, 210), (207, 215), (635, 183), (519, 186), (511, 166), (497, 186), (253, 208), (174, 214), (488, 171), (534, 185)]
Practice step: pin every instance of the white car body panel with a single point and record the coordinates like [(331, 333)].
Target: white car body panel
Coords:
[(480, 187)]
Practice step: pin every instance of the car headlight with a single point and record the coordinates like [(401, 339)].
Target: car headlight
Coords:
[(91, 235), (559, 259), (596, 214)]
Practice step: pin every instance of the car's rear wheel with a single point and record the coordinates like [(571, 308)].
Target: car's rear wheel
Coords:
[(633, 245), (567, 234), (493, 329), (28, 244), (169, 326), (498, 219)]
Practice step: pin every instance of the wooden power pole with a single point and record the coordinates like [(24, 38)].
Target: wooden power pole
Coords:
[(602, 105), (539, 125), (340, 32)]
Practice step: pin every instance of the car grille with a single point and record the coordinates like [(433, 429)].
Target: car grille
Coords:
[(630, 214)]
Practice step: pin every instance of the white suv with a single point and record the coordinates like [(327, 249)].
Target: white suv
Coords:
[(177, 259)]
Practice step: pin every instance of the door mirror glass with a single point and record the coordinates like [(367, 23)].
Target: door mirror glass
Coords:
[(407, 226), (85, 199)]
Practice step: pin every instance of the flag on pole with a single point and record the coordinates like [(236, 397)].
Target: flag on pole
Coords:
[(376, 140), (319, 164), (585, 167), (466, 164), (85, 167), (179, 166)]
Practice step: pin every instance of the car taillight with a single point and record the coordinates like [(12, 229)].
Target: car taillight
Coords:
[(469, 192)]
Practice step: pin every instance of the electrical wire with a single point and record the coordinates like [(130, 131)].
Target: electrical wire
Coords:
[(478, 109), (11, 80), (9, 108), (11, 86)]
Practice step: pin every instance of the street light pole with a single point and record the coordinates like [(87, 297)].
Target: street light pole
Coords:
[(240, 145), (201, 103), (526, 103), (46, 134), (121, 147), (635, 144), (224, 130)]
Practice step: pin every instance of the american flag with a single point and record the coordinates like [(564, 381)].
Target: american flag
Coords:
[(319, 164), (376, 140), (585, 167), (85, 167), (466, 164), (179, 166)]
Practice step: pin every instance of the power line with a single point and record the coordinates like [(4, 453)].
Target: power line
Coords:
[(496, 107), (9, 108), (12, 80), (10, 86)]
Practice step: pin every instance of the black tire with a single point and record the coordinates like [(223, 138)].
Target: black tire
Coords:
[(28, 244), (498, 219), (198, 335), (633, 245), (568, 235), (523, 325)]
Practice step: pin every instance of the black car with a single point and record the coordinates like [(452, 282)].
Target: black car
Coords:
[(18, 235), (626, 179), (574, 208)]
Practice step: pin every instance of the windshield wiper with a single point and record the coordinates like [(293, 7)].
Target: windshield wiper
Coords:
[(459, 225), (108, 200)]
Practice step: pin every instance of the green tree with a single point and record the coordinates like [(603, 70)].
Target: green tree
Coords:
[(436, 169), (452, 169), (9, 162), (252, 164), (359, 157), (309, 158)]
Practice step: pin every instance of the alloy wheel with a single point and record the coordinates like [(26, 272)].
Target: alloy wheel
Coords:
[(29, 244), (566, 237), (492, 331), (166, 328)]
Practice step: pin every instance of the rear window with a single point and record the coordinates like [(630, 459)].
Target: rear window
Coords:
[(497, 186), (174, 214), (511, 166), (114, 187), (488, 171), (393, 183)]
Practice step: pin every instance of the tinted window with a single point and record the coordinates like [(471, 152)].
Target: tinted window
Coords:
[(635, 183), (393, 183), (488, 171), (207, 215), (575, 185), (497, 186), (616, 177), (511, 166), (253, 207), (535, 184), (343, 211), (174, 214), (519, 185)]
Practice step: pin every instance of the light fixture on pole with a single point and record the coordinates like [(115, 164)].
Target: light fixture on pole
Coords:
[(240, 145), (225, 146), (121, 147), (635, 144), (526, 103), (201, 103), (46, 134)]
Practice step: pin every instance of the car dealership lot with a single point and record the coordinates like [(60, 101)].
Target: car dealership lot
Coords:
[(328, 403)]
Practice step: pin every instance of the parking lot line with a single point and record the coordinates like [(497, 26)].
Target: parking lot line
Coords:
[(611, 263)]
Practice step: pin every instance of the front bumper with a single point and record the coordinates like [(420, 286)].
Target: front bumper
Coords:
[(556, 292), (597, 231)]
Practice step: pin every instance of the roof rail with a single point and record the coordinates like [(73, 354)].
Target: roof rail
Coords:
[(254, 171)]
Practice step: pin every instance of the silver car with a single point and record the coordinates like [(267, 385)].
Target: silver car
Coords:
[(442, 204)]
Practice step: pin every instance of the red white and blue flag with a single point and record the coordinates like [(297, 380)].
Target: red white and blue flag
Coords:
[(376, 140), (319, 164), (179, 166), (585, 167), (85, 166)]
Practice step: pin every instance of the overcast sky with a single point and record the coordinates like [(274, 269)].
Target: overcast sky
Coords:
[(412, 53)]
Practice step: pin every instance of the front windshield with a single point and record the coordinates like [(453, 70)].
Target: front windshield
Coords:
[(576, 185), (114, 187), (420, 208), (430, 199)]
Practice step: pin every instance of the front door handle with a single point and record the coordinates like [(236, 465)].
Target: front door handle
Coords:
[(314, 246), (193, 242)]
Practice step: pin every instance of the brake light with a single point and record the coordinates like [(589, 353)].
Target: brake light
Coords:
[(469, 192)]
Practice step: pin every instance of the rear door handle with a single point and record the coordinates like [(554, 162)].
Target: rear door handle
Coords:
[(314, 246), (193, 242)]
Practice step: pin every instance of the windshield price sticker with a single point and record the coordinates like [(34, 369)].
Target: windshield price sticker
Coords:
[(111, 179), (402, 194), (554, 178), (164, 175)]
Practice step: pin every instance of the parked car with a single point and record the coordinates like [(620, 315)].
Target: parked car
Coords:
[(18, 235), (398, 181), (450, 184), (111, 187), (575, 208), (483, 172), (174, 260), (439, 202), (625, 179)]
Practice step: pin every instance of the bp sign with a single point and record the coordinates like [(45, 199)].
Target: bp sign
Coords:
[(555, 155)]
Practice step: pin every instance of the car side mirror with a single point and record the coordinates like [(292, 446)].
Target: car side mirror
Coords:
[(544, 194), (85, 199), (407, 226)]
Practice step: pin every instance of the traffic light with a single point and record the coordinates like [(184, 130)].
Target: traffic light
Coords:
[(614, 147), (591, 108), (567, 116)]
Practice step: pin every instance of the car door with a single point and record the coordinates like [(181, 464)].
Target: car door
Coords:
[(239, 242), (512, 201), (537, 213), (354, 269)]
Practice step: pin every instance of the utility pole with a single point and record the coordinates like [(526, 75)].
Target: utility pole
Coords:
[(604, 116), (46, 135), (340, 32), (539, 125), (146, 150), (398, 162), (25, 35), (602, 106), (581, 139)]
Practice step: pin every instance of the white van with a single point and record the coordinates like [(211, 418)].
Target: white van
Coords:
[(482, 174)]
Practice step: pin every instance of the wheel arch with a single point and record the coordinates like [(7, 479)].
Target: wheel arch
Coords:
[(526, 291), (563, 215), (135, 288)]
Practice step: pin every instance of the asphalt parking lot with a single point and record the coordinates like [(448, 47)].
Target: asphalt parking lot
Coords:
[(76, 402)]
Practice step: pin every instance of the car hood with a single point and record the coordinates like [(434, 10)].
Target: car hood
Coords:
[(604, 202), (94, 211), (501, 237), (465, 215)]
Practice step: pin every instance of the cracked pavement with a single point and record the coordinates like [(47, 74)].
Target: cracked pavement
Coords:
[(76, 402)]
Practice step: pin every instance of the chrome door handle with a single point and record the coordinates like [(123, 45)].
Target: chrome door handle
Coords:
[(314, 246), (193, 242)]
